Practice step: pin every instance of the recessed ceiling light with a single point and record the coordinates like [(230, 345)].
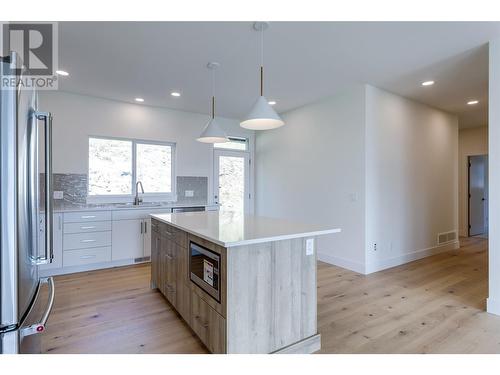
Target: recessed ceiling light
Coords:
[(62, 73), (140, 100), (175, 93), (472, 102), (427, 83), (271, 102)]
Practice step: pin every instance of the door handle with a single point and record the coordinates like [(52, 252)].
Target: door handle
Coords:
[(40, 326), (49, 251)]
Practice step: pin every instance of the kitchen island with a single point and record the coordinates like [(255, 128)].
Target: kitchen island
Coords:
[(243, 283)]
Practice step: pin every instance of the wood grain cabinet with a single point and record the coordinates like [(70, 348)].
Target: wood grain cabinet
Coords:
[(268, 296), (208, 325)]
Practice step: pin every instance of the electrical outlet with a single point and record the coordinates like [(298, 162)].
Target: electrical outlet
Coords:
[(310, 246), (189, 193), (58, 194)]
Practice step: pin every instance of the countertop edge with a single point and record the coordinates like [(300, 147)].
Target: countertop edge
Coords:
[(249, 242)]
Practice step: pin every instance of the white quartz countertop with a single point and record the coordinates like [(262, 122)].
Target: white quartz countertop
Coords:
[(230, 229), (74, 207)]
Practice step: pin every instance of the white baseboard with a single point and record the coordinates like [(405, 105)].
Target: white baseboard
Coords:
[(493, 306), (342, 262), (382, 264)]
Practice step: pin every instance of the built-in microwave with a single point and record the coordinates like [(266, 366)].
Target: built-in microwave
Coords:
[(204, 267)]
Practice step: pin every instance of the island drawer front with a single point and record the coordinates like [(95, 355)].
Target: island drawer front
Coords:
[(208, 325), (91, 226), (86, 256), (86, 240), (84, 216)]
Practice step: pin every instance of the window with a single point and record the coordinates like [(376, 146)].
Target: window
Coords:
[(115, 165), (235, 143)]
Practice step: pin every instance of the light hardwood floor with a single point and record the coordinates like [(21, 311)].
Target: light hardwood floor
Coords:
[(434, 305)]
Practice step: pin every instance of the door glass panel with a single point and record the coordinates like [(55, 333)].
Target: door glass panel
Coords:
[(232, 183)]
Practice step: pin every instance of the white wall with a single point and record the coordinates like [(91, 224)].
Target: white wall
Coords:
[(411, 178), (381, 167), (78, 116), (471, 141), (493, 304), (312, 170)]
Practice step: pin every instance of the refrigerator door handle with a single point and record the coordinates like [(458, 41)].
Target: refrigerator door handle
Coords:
[(49, 217), (40, 326)]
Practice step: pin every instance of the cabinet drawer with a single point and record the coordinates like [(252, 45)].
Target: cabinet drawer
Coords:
[(91, 226), (208, 325), (86, 240), (84, 216), (86, 256)]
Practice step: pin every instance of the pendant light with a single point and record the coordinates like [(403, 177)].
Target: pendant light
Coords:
[(213, 133), (262, 116)]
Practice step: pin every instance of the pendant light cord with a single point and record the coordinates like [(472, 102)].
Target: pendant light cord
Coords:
[(262, 62), (213, 93)]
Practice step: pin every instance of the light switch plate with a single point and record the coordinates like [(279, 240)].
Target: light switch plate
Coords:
[(58, 194), (310, 246), (189, 193)]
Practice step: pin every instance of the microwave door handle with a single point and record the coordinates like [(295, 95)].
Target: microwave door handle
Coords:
[(46, 117)]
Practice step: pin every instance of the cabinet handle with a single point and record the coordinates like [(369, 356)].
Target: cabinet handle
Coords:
[(170, 257), (145, 227), (59, 222), (168, 233), (89, 227), (141, 227), (88, 216), (87, 256), (88, 240)]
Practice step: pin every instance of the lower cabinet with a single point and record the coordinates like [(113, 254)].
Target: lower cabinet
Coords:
[(170, 274), (131, 239), (208, 324)]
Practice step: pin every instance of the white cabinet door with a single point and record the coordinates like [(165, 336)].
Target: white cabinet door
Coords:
[(127, 239), (57, 233), (147, 237)]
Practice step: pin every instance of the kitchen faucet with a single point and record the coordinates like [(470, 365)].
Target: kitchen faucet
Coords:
[(137, 200)]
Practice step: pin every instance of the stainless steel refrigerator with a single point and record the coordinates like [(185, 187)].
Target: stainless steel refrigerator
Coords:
[(26, 299)]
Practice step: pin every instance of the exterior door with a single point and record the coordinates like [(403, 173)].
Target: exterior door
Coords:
[(232, 180), (478, 194)]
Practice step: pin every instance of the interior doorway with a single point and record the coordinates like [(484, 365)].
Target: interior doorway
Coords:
[(478, 195)]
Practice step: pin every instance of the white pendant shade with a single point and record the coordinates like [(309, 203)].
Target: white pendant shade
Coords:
[(212, 133), (262, 116)]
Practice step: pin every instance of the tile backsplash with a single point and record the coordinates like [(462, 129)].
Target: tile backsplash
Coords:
[(195, 185), (74, 187)]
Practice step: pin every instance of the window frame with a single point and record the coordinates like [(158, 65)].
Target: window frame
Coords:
[(124, 198), (235, 138)]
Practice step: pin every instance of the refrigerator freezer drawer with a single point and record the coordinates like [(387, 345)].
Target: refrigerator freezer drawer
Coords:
[(86, 256), (86, 240), (84, 216)]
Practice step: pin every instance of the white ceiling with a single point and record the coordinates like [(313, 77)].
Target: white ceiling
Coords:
[(304, 62)]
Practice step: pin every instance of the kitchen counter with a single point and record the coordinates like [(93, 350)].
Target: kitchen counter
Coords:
[(229, 229), (65, 206), (243, 283)]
